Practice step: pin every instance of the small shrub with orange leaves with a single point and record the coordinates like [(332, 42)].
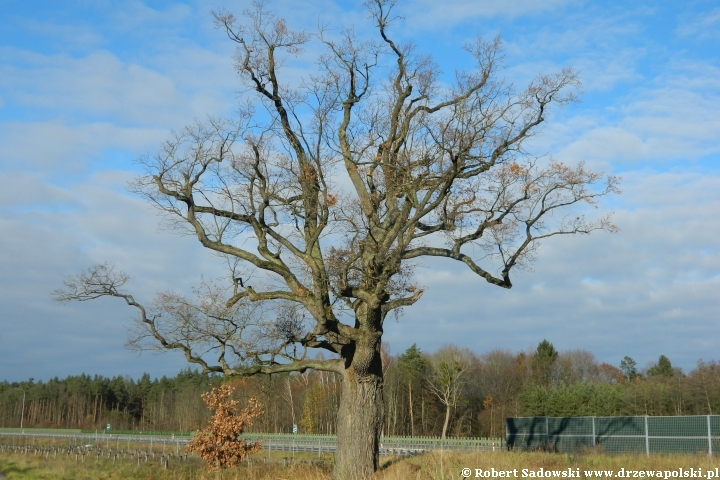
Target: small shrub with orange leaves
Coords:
[(219, 443)]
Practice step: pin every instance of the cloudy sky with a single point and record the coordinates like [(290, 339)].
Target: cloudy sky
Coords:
[(88, 87)]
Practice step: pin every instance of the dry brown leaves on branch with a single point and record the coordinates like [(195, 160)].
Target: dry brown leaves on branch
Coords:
[(218, 443)]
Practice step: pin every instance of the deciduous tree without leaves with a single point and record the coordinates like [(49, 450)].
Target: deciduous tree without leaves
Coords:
[(448, 380), (325, 192)]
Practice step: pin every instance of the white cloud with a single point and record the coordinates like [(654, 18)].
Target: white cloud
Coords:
[(432, 14), (66, 149), (705, 25), (50, 232), (80, 37), (23, 190), (98, 85), (675, 119)]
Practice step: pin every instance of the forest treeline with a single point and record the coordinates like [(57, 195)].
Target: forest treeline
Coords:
[(452, 392)]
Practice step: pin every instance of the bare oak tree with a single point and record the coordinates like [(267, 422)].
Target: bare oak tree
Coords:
[(325, 192)]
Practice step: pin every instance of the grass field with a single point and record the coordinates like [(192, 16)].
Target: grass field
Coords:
[(431, 466)]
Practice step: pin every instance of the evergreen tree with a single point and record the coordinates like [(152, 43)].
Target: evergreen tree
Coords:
[(629, 368), (542, 363), (663, 368), (412, 369)]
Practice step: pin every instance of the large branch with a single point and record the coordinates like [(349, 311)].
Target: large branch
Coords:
[(447, 253), (321, 365), (103, 281)]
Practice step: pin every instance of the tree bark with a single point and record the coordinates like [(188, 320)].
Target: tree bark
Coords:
[(412, 420), (360, 415), (447, 421)]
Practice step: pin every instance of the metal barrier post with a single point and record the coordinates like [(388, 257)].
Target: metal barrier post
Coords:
[(709, 436), (547, 433), (647, 440)]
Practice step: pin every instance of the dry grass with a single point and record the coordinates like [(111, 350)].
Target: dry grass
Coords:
[(437, 466), (36, 467), (431, 466)]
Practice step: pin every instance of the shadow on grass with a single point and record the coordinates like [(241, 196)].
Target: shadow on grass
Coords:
[(384, 465), (387, 463), (8, 468)]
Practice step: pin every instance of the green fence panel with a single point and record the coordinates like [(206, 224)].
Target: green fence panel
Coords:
[(678, 445), (679, 434), (619, 445), (570, 426), (609, 426), (715, 425), (691, 426)]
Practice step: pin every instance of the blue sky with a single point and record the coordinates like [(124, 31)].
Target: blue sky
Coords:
[(88, 87)]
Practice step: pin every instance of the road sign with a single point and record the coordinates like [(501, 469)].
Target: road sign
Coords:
[(294, 428), (108, 427)]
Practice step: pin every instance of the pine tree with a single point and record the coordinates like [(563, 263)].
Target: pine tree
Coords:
[(542, 362), (663, 368), (629, 368)]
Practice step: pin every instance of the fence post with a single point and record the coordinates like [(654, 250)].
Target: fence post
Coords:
[(547, 433), (593, 431), (647, 440), (709, 436), (507, 434)]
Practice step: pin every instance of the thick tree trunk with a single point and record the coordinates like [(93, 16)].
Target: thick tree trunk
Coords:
[(360, 415)]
